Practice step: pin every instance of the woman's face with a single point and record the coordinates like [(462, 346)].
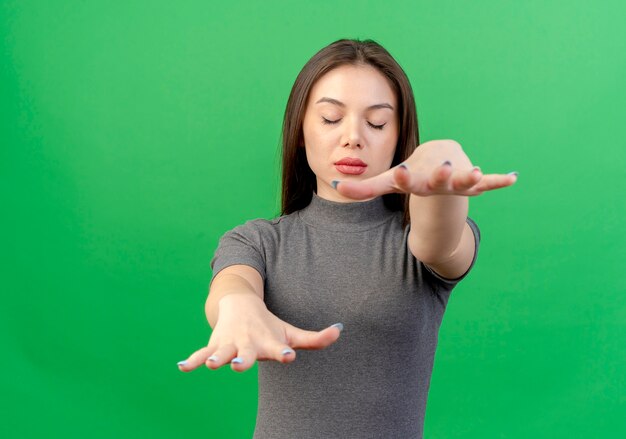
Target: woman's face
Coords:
[(351, 116)]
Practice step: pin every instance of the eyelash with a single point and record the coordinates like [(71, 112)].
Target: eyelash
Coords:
[(332, 122)]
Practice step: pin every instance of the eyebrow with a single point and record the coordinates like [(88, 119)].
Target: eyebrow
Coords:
[(341, 104)]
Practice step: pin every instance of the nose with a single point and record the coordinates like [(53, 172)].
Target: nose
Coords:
[(352, 135)]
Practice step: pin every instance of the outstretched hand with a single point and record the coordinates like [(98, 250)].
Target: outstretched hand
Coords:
[(438, 167), (246, 331)]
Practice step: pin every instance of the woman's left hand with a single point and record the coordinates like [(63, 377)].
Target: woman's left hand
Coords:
[(437, 167)]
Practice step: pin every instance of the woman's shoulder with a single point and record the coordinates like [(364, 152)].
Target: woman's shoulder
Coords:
[(263, 226)]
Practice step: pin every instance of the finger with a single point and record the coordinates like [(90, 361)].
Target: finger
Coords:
[(246, 356), (277, 351), (287, 354), (313, 340), (369, 188), (439, 181), (494, 181), (196, 359), (223, 355), (410, 182), (402, 178), (464, 180)]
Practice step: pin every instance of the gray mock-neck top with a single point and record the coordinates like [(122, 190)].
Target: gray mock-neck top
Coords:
[(344, 262), (347, 217)]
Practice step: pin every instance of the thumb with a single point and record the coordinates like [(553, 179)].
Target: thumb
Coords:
[(302, 339)]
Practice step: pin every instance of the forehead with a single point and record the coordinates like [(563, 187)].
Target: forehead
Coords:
[(357, 85)]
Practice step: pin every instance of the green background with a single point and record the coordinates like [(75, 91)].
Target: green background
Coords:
[(134, 134)]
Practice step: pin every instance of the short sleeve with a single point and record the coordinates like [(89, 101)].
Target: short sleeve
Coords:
[(444, 285), (241, 245)]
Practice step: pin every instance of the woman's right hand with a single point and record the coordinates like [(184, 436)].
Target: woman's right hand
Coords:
[(247, 331)]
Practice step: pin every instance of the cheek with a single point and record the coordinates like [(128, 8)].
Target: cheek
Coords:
[(308, 130), (387, 136), (317, 137), (390, 143)]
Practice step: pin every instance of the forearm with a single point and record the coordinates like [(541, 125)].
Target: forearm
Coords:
[(224, 285), (437, 224)]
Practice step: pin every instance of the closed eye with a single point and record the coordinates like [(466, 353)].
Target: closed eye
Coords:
[(332, 122), (376, 127)]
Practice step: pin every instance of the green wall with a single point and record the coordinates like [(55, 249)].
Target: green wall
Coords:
[(134, 134)]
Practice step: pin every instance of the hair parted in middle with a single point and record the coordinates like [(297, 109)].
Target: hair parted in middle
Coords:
[(298, 180)]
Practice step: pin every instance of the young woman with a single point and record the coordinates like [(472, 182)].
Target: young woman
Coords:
[(374, 234)]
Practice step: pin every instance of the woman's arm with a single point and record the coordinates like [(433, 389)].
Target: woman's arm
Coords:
[(439, 178), (244, 330), (440, 236), (236, 279)]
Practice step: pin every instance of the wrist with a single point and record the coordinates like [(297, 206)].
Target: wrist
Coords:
[(239, 297)]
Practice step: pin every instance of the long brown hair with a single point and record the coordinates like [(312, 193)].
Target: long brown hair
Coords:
[(298, 180)]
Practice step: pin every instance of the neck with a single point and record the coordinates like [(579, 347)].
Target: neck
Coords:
[(330, 194), (345, 216)]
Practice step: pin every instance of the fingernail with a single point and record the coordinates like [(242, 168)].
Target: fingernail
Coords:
[(513, 173), (212, 358), (338, 325), (402, 165), (237, 360), (476, 168), (334, 184), (182, 363), (287, 351), (447, 162)]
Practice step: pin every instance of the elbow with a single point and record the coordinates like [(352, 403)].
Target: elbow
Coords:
[(430, 254)]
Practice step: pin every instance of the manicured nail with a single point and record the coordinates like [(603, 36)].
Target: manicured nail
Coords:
[(447, 162), (402, 165), (338, 325), (334, 184), (287, 351), (513, 173), (237, 360), (212, 358), (182, 363)]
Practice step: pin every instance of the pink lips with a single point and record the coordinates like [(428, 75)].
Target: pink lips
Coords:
[(350, 162), (351, 166)]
